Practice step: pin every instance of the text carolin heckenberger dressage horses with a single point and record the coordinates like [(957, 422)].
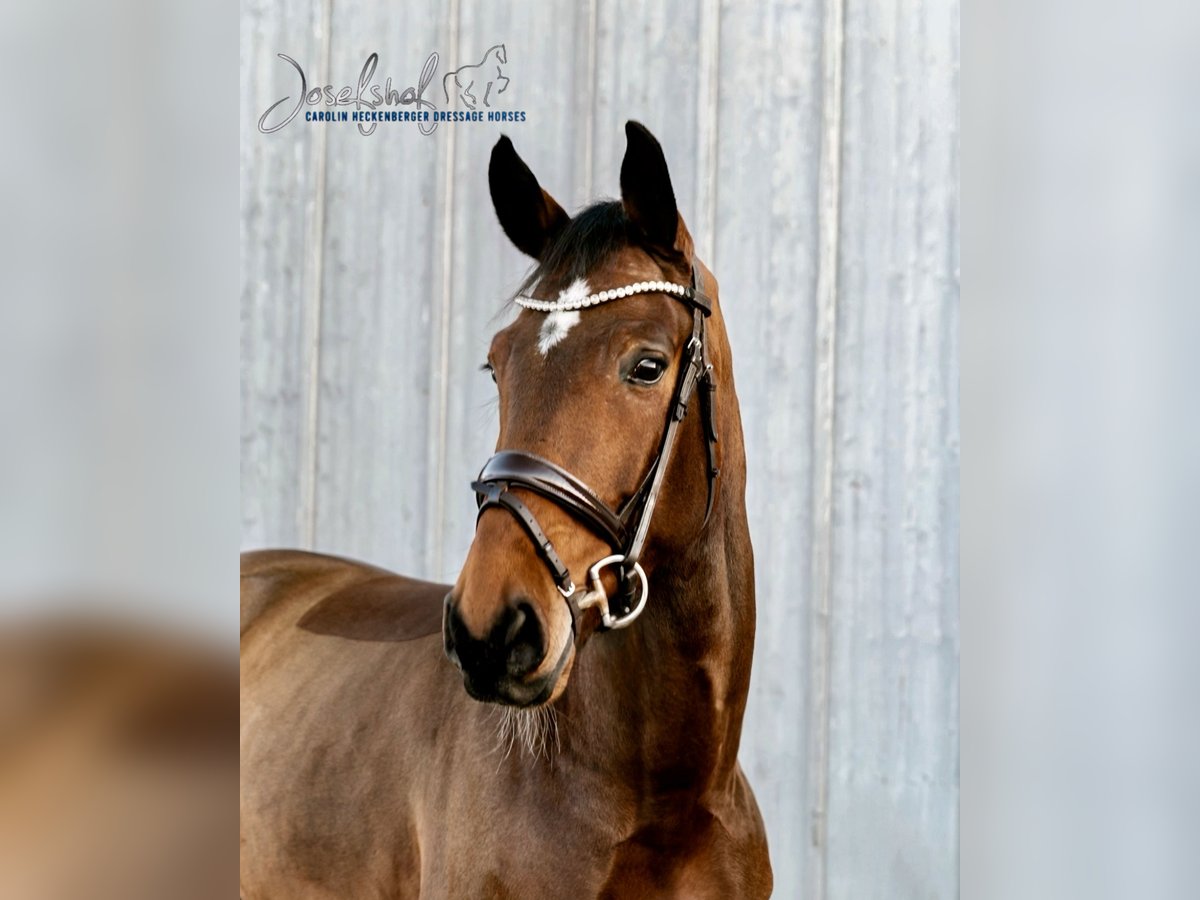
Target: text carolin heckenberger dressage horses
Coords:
[(604, 614)]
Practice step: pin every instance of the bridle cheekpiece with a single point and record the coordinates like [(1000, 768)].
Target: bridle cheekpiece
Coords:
[(624, 529)]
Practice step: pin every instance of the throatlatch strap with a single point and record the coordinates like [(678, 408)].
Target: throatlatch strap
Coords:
[(708, 417)]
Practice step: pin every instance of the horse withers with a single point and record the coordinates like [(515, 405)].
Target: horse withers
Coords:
[(564, 721)]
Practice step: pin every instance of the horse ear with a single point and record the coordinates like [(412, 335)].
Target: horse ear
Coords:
[(528, 215), (646, 191)]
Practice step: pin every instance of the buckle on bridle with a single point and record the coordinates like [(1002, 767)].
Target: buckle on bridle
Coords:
[(597, 596)]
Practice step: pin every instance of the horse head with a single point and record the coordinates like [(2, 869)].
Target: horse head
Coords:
[(586, 388)]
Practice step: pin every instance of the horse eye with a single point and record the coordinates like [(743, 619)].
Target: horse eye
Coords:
[(647, 371), (487, 367)]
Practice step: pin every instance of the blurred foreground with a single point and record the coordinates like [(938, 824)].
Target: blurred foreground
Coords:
[(118, 764), (118, 452)]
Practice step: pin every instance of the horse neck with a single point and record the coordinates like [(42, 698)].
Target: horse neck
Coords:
[(661, 702)]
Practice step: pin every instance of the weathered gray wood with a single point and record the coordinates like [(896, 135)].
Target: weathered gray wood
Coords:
[(381, 304), (549, 79), (646, 69), (766, 261), (280, 208), (893, 762), (818, 178)]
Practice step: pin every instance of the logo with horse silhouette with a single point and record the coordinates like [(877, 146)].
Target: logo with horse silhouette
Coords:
[(370, 102), (482, 77)]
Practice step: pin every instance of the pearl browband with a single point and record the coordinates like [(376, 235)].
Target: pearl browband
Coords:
[(566, 301)]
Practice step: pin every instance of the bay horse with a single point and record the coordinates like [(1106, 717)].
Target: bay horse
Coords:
[(573, 733)]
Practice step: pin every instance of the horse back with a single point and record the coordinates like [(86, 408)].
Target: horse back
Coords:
[(338, 596)]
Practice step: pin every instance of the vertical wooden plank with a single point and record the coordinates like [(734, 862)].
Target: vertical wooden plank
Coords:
[(280, 209), (767, 233), (548, 48), (703, 221), (893, 732), (439, 400), (381, 304), (647, 69), (823, 448)]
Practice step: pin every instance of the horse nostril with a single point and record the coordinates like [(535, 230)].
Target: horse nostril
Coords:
[(516, 620), (523, 642), (511, 649)]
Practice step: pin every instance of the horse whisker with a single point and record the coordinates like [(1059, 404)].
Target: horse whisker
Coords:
[(532, 731)]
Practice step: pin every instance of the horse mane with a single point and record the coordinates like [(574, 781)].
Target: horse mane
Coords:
[(591, 238)]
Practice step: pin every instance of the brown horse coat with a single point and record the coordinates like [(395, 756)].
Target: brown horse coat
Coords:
[(367, 769)]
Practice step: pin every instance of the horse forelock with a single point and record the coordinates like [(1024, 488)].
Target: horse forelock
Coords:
[(590, 240)]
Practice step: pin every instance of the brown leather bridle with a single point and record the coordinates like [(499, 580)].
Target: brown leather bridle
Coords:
[(624, 529)]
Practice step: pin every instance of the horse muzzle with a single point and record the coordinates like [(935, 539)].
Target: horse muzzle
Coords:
[(507, 665)]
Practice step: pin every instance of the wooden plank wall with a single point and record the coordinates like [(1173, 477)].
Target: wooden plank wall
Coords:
[(813, 149)]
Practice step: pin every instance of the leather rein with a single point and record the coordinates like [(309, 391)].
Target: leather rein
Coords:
[(624, 529)]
